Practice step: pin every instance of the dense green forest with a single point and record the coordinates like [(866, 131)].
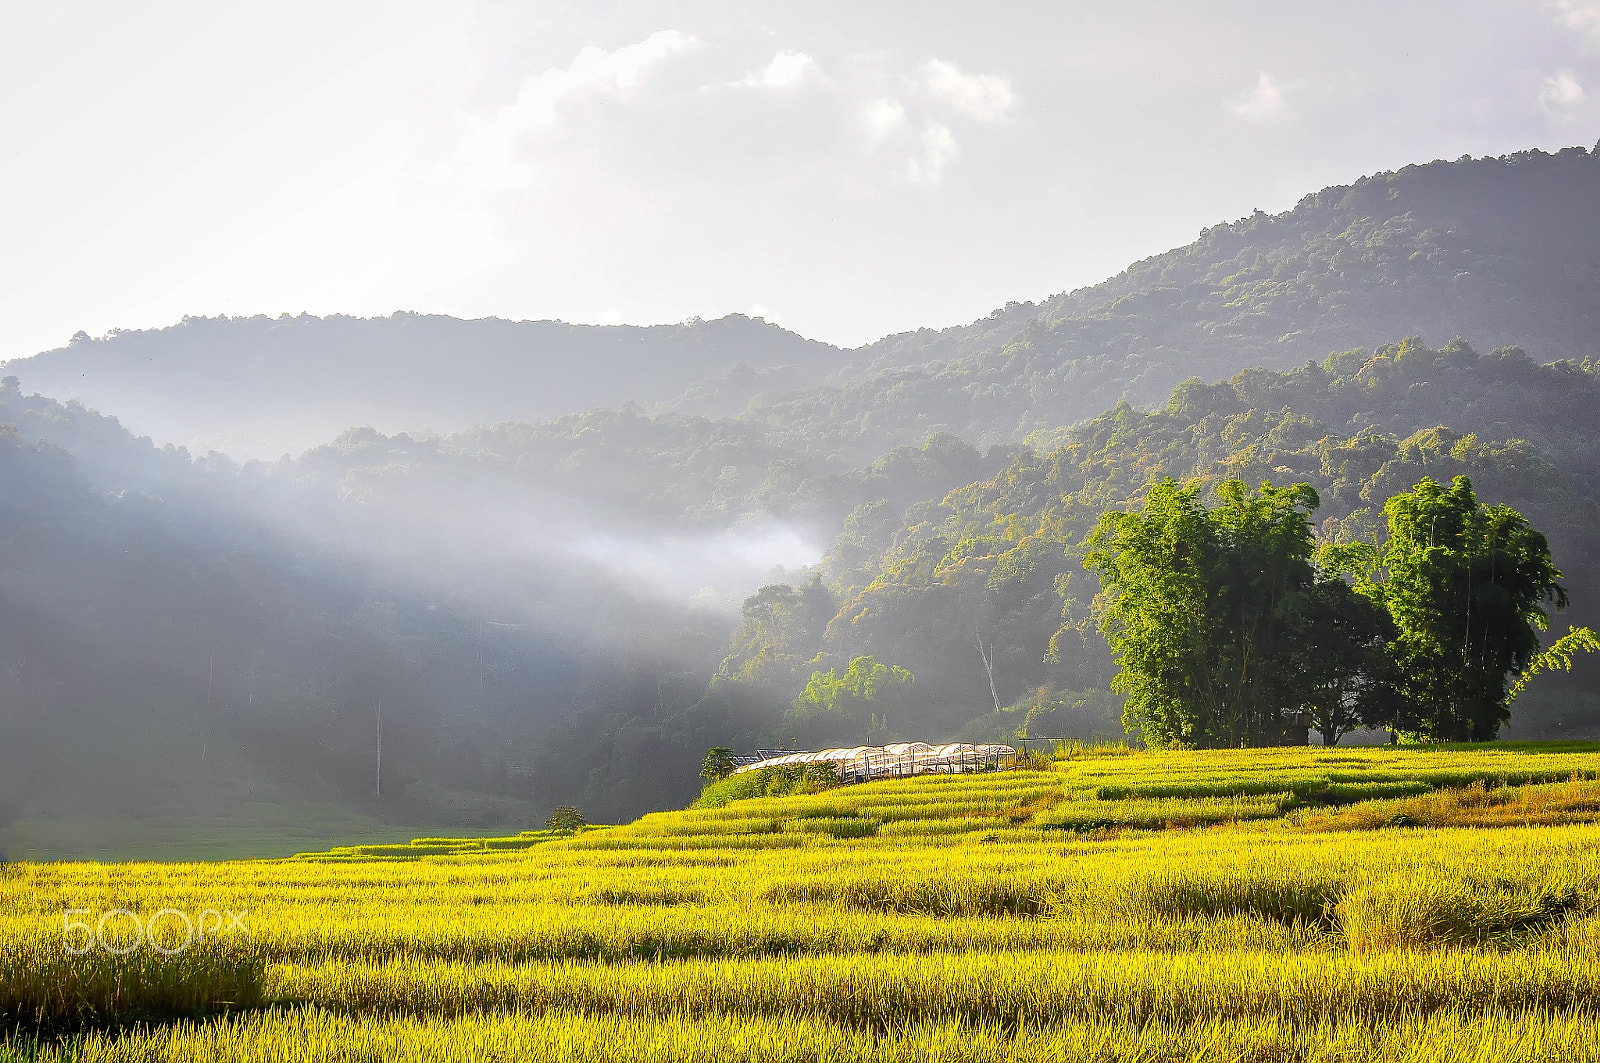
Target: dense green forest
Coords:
[(571, 611), (1233, 627), (997, 563)]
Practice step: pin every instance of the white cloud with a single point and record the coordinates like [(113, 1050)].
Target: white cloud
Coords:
[(786, 71), (982, 96), (594, 70), (883, 118), (919, 158), (1560, 93), (1265, 100), (488, 153), (938, 147), (1582, 18)]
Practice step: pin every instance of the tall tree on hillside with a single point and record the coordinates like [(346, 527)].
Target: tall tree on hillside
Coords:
[(1467, 585)]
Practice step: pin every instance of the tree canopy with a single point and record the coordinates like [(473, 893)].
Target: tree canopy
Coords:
[(1227, 633), (1467, 585), (1223, 630), (867, 692)]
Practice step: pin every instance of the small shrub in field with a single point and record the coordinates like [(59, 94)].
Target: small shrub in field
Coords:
[(719, 763), (565, 817), (769, 782), (1032, 760)]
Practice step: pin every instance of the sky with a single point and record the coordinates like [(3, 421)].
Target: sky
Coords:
[(847, 170)]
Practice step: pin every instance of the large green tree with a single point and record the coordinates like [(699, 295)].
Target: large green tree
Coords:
[(1155, 567), (1261, 589), (1467, 585), (1205, 610), (1345, 668)]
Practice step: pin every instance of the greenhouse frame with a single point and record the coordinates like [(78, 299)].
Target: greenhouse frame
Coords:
[(898, 760)]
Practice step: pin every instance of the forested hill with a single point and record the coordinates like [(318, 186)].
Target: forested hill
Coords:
[(993, 570), (260, 386), (232, 640), (1504, 251), (549, 613)]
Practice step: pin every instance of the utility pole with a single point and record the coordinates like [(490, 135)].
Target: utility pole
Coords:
[(211, 672), (377, 787)]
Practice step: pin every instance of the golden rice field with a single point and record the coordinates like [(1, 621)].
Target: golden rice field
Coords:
[(1270, 905)]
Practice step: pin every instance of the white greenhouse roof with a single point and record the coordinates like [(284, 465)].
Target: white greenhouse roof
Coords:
[(898, 758)]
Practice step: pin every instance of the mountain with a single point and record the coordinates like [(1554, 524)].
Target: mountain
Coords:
[(548, 611), (944, 555), (1504, 251), (258, 387)]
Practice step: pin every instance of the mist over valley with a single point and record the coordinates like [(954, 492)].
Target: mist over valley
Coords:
[(528, 554)]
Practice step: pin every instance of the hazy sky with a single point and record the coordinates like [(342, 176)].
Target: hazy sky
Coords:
[(848, 169)]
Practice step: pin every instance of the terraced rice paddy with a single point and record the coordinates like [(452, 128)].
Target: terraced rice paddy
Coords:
[(1417, 904)]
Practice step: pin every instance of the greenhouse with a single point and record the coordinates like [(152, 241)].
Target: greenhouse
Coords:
[(864, 763)]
